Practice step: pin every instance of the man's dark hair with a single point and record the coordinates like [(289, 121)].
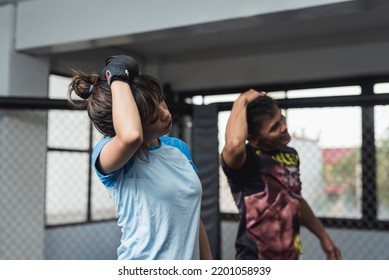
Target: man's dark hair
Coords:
[(258, 110)]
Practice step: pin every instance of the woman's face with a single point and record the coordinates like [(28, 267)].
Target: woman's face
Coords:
[(160, 126)]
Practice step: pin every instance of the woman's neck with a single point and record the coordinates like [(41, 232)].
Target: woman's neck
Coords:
[(153, 143)]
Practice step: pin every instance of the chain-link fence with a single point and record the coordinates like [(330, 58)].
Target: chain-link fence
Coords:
[(54, 207)]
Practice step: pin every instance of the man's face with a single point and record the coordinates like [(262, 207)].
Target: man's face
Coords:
[(273, 133), (286, 139)]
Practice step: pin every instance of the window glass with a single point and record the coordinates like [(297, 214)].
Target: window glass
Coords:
[(381, 88), (321, 92), (328, 141), (382, 159), (58, 87), (68, 160), (102, 205), (68, 129), (226, 201), (209, 99), (66, 187)]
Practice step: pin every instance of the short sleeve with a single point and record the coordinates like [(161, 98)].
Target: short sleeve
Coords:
[(109, 179)]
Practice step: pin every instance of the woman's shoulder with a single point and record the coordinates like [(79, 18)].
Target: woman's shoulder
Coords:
[(173, 141), (100, 144), (176, 143)]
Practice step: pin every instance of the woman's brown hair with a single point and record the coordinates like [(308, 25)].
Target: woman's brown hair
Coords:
[(97, 98)]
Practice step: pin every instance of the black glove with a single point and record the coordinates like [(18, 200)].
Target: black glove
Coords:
[(120, 67)]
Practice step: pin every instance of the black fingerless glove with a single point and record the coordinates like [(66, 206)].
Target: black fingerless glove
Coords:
[(120, 67)]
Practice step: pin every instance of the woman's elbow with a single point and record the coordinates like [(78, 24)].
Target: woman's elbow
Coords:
[(133, 138)]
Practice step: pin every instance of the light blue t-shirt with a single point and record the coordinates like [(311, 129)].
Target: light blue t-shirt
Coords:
[(157, 202)]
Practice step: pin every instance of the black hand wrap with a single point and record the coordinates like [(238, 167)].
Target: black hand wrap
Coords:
[(120, 67)]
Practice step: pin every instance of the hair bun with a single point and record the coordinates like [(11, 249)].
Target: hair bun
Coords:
[(86, 94)]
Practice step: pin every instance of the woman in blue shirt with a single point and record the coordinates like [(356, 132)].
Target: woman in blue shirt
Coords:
[(150, 177)]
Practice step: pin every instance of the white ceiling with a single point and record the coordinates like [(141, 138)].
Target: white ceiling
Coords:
[(350, 25)]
